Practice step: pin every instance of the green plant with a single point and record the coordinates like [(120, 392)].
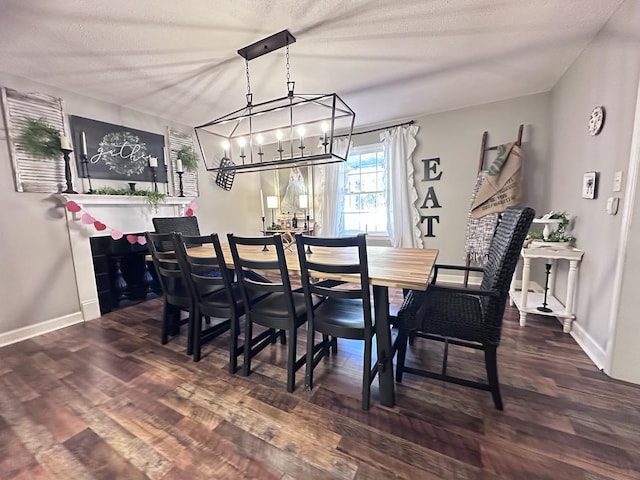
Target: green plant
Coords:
[(153, 198), (560, 234), (40, 139), (188, 157)]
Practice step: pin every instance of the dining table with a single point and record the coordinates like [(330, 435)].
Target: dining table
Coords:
[(389, 267)]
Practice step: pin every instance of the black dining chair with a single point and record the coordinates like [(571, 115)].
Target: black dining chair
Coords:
[(176, 295), (282, 311), (346, 309), (468, 317), (185, 225), (213, 291)]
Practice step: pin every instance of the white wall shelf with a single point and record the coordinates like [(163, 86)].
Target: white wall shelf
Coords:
[(528, 302)]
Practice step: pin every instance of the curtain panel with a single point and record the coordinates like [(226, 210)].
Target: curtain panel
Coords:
[(403, 217)]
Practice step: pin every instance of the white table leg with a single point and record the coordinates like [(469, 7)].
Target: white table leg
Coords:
[(526, 267), (571, 291)]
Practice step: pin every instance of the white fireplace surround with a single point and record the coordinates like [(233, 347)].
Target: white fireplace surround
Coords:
[(124, 213)]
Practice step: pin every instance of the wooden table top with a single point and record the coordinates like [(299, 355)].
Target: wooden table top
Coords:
[(390, 267)]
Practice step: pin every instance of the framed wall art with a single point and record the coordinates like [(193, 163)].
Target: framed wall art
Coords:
[(590, 185), (116, 152)]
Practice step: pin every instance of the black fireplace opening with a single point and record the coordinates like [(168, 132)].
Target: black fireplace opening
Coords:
[(123, 275)]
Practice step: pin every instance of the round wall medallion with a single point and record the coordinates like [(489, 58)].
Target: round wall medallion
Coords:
[(596, 120)]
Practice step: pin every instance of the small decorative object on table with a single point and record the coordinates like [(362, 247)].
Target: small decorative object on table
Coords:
[(554, 233)]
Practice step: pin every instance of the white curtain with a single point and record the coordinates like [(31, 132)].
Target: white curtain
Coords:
[(403, 218), (331, 185)]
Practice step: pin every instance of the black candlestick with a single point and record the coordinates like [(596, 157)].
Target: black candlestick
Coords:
[(85, 166), (154, 177), (264, 232), (307, 225), (166, 176), (544, 307), (67, 170), (180, 186)]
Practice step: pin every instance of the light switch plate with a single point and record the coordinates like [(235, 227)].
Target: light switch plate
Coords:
[(617, 181)]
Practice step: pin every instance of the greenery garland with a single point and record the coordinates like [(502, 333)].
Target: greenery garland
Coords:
[(189, 158), (40, 139), (153, 198)]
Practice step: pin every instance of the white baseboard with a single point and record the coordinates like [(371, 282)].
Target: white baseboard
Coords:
[(594, 351), (30, 331)]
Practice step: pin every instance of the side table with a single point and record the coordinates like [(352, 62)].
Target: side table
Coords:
[(527, 302)]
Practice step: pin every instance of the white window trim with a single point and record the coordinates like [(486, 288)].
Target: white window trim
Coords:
[(363, 150)]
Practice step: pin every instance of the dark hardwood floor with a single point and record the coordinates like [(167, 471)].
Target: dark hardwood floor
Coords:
[(105, 400)]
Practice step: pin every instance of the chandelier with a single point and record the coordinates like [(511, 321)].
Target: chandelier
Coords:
[(294, 130)]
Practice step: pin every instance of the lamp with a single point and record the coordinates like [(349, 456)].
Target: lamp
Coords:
[(303, 201), (277, 133), (272, 203)]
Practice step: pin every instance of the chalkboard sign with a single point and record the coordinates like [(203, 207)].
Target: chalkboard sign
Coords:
[(115, 152)]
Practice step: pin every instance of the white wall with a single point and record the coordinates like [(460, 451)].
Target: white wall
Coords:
[(38, 282), (606, 73)]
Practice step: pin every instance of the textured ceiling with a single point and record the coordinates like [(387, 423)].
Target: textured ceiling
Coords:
[(386, 59)]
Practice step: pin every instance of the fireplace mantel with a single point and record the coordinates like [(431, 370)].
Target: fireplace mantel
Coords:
[(124, 213), (88, 200)]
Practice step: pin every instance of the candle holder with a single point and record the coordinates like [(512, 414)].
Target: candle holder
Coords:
[(307, 225), (544, 307), (85, 168), (280, 150), (325, 142), (264, 232), (180, 186), (67, 170), (154, 178), (302, 147)]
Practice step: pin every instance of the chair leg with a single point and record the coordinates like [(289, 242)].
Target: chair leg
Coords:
[(291, 360), (326, 342), (283, 337), (490, 360), (401, 343), (366, 375), (308, 377), (334, 345), (233, 349), (195, 332), (166, 315), (246, 368)]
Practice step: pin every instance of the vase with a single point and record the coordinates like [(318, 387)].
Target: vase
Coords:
[(132, 186)]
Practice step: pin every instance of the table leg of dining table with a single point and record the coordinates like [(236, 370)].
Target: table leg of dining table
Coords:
[(383, 342)]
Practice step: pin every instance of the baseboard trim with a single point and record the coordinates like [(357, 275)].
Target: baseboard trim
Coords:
[(588, 345), (24, 333)]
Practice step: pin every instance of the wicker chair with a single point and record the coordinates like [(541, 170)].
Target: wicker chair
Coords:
[(466, 316)]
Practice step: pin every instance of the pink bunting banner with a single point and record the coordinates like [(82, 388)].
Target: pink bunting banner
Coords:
[(88, 219)]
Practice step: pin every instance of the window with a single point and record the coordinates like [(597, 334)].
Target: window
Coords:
[(365, 198)]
